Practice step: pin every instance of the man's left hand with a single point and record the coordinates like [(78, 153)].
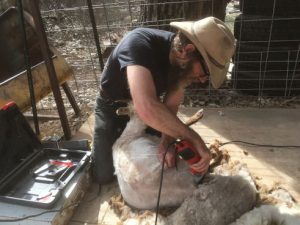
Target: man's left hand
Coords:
[(170, 156)]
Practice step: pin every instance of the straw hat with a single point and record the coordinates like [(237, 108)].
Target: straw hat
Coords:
[(214, 41)]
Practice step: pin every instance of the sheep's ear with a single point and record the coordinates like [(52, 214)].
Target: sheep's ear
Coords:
[(122, 111)]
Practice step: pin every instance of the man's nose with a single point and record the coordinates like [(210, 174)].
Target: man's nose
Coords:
[(203, 78)]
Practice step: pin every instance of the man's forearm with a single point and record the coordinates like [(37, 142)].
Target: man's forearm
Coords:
[(152, 111), (158, 116)]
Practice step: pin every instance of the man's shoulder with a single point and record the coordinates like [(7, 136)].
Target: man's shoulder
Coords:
[(145, 38), (151, 32)]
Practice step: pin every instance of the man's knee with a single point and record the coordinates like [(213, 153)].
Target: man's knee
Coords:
[(102, 162), (102, 170)]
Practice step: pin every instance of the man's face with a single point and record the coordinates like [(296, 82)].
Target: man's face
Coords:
[(196, 73), (192, 69)]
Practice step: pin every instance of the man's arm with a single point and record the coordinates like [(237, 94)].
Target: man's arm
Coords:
[(171, 100), (159, 116)]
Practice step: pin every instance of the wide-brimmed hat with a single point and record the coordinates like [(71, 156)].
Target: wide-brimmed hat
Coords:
[(214, 41)]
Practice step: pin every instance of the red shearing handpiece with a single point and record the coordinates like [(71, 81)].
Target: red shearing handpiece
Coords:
[(187, 152)]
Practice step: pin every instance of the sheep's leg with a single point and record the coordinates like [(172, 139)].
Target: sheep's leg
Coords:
[(194, 118)]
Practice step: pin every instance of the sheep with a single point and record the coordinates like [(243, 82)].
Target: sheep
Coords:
[(220, 200), (138, 169), (225, 197)]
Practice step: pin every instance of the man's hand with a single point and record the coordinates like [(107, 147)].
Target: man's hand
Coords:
[(170, 156), (203, 164)]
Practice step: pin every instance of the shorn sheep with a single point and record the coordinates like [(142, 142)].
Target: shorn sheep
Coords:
[(221, 199), (138, 170)]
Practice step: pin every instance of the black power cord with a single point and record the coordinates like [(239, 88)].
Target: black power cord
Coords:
[(222, 144), (260, 145), (75, 204), (161, 177), (39, 214)]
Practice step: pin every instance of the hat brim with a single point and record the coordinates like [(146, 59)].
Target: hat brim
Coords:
[(217, 75)]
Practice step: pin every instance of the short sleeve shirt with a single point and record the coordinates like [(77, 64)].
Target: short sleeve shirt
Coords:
[(145, 47)]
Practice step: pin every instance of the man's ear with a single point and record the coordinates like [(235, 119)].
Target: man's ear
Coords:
[(185, 51), (189, 48)]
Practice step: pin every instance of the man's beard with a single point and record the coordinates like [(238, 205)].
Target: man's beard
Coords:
[(179, 75), (182, 76)]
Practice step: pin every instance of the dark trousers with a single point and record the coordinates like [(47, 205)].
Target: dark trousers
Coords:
[(108, 128)]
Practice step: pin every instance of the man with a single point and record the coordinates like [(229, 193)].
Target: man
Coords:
[(149, 63)]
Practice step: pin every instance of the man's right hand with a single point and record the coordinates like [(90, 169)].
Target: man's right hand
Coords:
[(203, 165)]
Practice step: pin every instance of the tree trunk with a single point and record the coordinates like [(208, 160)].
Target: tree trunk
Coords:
[(158, 13)]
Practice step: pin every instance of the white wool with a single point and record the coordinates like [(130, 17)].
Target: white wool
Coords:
[(270, 215), (149, 220), (281, 195), (239, 169)]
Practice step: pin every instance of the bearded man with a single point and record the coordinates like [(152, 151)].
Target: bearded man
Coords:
[(152, 68)]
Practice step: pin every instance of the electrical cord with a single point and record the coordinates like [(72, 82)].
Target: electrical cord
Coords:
[(161, 178), (39, 214), (222, 144), (48, 211), (260, 145)]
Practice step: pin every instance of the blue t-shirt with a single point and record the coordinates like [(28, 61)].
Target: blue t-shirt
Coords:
[(145, 47)]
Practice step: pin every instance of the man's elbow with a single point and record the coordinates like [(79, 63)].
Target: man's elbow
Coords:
[(146, 112)]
